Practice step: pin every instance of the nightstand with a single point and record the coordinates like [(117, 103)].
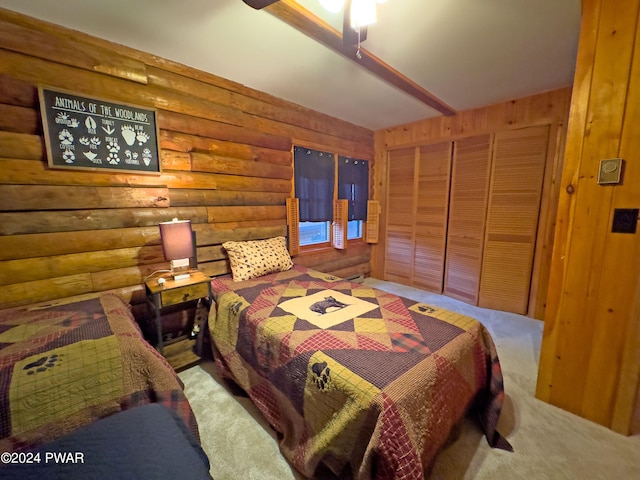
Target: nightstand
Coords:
[(174, 292)]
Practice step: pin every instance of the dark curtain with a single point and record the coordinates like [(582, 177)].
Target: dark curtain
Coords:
[(314, 184), (353, 185)]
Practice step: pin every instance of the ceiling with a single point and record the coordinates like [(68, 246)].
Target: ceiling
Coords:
[(466, 53)]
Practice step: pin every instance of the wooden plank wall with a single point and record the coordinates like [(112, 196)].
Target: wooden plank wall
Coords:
[(590, 358), (225, 154), (550, 108)]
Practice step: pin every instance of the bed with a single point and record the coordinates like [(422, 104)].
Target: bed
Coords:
[(355, 380), (67, 366), (148, 441)]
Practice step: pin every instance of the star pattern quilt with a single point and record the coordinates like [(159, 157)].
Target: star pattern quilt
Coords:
[(360, 381)]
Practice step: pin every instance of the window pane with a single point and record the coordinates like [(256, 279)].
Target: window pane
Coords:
[(354, 229), (314, 232)]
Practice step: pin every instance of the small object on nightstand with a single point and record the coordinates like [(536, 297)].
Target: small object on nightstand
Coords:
[(161, 280), (195, 331)]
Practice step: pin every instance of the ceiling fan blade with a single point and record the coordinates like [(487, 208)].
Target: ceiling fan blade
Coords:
[(258, 4), (349, 34)]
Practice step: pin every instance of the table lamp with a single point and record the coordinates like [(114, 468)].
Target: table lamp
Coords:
[(177, 246)]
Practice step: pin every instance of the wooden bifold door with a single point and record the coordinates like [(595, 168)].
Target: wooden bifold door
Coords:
[(400, 217), (462, 216), (468, 205), (519, 158), (432, 207)]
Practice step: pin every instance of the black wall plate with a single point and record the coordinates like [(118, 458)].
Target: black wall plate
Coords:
[(625, 220)]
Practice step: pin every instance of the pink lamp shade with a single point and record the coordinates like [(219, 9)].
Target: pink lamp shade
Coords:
[(177, 240)]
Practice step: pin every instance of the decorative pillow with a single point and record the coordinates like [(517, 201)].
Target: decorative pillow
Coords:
[(255, 258)]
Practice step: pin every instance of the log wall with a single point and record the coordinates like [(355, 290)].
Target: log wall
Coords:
[(226, 156)]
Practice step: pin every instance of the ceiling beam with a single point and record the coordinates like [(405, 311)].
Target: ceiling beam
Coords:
[(314, 27)]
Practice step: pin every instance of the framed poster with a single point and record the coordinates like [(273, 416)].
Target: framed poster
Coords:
[(95, 134)]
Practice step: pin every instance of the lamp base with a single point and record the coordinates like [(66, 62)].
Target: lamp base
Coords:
[(180, 269)]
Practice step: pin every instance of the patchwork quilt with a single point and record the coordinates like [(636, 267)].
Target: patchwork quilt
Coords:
[(360, 381), (66, 366)]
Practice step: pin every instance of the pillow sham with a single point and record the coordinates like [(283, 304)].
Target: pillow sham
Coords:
[(254, 258)]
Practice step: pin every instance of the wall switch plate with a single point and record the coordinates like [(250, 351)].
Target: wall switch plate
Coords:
[(625, 220), (610, 171)]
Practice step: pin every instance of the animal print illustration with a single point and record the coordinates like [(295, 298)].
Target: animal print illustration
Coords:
[(42, 364), (321, 376), (322, 306), (426, 309)]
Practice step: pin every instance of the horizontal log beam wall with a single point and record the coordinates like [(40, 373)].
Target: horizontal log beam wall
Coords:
[(226, 164)]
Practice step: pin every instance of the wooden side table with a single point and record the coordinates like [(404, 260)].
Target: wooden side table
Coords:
[(172, 292)]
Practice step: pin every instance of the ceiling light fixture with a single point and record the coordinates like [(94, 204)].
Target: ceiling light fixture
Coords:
[(363, 13), (333, 6)]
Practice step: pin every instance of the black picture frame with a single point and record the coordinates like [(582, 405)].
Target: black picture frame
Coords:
[(95, 134)]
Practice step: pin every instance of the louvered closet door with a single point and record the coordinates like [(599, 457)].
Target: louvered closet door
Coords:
[(432, 206), (400, 210), (467, 210), (512, 220)]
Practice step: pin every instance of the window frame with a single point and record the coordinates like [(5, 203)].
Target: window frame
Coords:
[(314, 247)]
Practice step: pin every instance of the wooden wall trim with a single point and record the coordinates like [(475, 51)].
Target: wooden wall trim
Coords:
[(546, 228)]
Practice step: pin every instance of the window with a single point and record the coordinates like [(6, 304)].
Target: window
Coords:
[(320, 179), (354, 229), (353, 185), (314, 187), (314, 232)]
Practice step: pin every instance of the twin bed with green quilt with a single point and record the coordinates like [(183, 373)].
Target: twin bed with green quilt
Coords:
[(65, 369), (364, 383)]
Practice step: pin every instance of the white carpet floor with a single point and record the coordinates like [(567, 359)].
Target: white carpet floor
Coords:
[(549, 443)]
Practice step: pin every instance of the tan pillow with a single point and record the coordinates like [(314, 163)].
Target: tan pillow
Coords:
[(255, 258)]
